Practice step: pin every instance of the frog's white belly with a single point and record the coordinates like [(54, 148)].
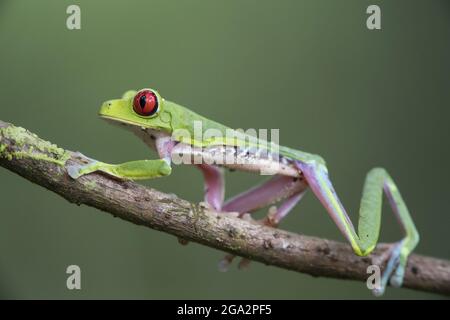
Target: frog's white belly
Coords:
[(235, 159)]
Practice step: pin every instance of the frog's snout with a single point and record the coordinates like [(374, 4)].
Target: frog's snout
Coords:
[(105, 108), (108, 107)]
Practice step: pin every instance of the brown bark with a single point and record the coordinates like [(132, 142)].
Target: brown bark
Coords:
[(154, 209)]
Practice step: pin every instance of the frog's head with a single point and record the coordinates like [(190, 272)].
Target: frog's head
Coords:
[(143, 108)]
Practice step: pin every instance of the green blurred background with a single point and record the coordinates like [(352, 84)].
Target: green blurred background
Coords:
[(359, 98)]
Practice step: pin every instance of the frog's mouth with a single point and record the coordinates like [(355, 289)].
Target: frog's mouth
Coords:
[(119, 122)]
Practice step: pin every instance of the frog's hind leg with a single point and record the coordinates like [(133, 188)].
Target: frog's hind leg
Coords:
[(365, 240), (265, 194), (274, 190)]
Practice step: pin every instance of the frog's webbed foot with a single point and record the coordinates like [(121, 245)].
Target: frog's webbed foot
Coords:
[(395, 264), (74, 171), (225, 262), (77, 170), (279, 187), (272, 219), (271, 191), (182, 241)]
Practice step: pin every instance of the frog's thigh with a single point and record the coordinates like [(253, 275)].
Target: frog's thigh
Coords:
[(269, 192)]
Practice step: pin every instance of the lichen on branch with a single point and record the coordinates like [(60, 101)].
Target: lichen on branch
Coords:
[(29, 145)]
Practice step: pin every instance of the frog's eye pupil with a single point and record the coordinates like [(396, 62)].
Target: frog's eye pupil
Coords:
[(145, 103), (142, 101)]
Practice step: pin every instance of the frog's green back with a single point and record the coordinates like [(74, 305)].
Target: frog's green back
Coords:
[(183, 118)]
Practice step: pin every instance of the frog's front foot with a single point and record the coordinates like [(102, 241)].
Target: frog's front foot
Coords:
[(77, 170), (74, 171)]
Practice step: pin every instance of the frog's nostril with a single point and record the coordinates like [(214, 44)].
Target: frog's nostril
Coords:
[(110, 104)]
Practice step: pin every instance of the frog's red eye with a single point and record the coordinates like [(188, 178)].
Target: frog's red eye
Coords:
[(145, 103)]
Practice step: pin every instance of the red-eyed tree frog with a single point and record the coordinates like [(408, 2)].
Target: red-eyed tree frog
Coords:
[(170, 128)]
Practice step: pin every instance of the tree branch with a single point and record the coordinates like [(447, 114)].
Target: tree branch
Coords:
[(43, 163)]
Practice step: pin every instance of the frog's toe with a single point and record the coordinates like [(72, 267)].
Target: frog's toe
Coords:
[(378, 292), (244, 264), (182, 241), (399, 273), (396, 280), (74, 171), (224, 264), (393, 271)]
